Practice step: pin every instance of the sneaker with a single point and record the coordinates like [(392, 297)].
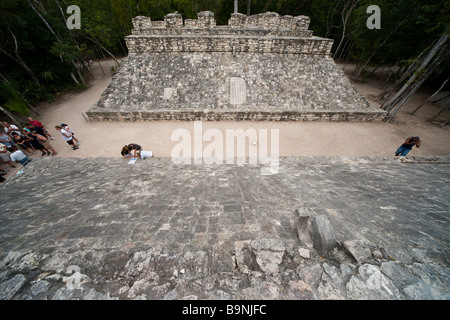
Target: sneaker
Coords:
[(53, 138), (43, 154)]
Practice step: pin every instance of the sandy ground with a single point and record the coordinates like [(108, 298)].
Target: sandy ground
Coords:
[(105, 139)]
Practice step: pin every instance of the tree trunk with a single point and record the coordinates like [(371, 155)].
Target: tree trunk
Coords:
[(123, 49), (23, 65), (74, 78), (96, 53), (381, 45), (61, 10), (10, 115), (349, 40), (43, 20), (330, 20), (350, 50), (19, 60), (422, 77), (428, 99), (439, 113), (57, 38), (352, 5), (103, 48), (80, 76), (24, 99), (394, 100), (405, 75)]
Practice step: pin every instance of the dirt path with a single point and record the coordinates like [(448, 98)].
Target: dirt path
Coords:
[(105, 139)]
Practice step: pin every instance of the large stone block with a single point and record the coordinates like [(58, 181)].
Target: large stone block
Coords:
[(173, 20), (316, 232)]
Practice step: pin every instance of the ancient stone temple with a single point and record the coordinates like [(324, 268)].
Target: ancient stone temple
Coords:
[(260, 67)]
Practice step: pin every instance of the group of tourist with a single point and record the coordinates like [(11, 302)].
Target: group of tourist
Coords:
[(18, 146)]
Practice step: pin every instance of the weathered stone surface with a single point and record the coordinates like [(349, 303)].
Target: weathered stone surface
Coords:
[(10, 287), (371, 284), (398, 273), (315, 232), (332, 285), (312, 274), (359, 249), (299, 290), (180, 231), (322, 234), (40, 287), (303, 228), (269, 254), (304, 253)]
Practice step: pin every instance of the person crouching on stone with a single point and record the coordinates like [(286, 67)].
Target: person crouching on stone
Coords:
[(406, 147), (125, 152), (135, 148)]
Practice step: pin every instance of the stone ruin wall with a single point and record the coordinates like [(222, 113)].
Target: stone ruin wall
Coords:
[(264, 67), (261, 33)]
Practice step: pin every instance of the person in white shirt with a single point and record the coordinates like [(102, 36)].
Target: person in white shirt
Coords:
[(66, 127), (146, 154), (10, 128), (18, 156), (67, 136)]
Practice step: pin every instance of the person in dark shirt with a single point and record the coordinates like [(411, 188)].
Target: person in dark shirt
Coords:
[(406, 147), (135, 148), (23, 143), (33, 140), (38, 129), (36, 123)]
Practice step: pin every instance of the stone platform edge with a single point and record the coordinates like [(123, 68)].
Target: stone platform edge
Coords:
[(42, 165), (94, 114)]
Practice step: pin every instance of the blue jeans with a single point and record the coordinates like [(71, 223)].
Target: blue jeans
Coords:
[(402, 151)]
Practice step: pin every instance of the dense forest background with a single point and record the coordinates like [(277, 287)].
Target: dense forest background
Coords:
[(40, 57)]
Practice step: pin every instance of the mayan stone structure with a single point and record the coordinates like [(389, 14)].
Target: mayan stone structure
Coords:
[(260, 67)]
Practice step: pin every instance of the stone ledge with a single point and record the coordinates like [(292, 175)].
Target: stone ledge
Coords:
[(262, 33), (96, 114), (267, 20), (228, 43), (221, 31)]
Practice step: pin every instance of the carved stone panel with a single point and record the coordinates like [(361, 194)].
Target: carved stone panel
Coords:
[(238, 91)]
